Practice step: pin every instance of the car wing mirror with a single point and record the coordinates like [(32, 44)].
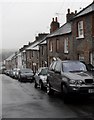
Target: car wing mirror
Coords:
[(57, 72)]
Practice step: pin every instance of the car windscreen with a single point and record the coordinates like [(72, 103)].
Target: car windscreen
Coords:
[(73, 67)]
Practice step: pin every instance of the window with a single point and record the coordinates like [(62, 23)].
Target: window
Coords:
[(91, 57), (73, 66), (81, 57), (32, 53), (42, 63), (52, 65), (80, 29), (42, 50), (93, 25), (66, 46), (58, 66), (51, 46), (57, 45)]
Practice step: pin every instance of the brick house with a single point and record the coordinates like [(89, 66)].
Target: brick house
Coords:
[(43, 59), (9, 62), (32, 53), (59, 42), (22, 51), (83, 34), (75, 39), (32, 58)]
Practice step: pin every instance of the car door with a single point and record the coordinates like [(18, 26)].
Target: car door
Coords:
[(51, 73), (57, 76)]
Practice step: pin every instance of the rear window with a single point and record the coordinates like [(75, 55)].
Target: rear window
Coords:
[(26, 71)]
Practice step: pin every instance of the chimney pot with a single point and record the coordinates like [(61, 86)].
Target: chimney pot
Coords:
[(56, 19), (68, 11), (75, 11), (53, 19)]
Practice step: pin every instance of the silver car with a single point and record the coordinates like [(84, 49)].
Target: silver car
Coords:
[(41, 77)]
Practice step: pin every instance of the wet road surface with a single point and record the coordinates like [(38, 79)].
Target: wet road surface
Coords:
[(22, 100)]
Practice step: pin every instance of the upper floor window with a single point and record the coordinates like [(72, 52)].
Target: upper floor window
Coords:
[(51, 46), (66, 46), (80, 29), (42, 50), (57, 45), (32, 53)]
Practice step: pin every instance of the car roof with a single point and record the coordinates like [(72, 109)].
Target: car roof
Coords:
[(43, 67), (66, 60), (71, 61)]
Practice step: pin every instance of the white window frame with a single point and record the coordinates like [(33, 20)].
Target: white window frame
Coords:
[(91, 58), (80, 30), (51, 46), (81, 57), (66, 45)]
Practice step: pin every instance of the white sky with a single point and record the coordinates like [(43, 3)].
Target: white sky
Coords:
[(22, 20)]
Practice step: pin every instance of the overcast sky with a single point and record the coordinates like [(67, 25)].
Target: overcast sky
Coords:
[(22, 20)]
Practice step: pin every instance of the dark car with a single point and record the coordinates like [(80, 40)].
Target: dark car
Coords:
[(69, 78), (26, 75), (41, 77)]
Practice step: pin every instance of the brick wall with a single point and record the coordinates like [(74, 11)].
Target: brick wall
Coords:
[(83, 46)]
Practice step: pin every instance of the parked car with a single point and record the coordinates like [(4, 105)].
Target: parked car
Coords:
[(12, 73), (69, 78), (26, 75), (7, 72), (41, 77), (17, 73)]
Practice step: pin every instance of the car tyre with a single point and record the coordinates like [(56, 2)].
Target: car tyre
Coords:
[(35, 85), (49, 90), (65, 93), (41, 85)]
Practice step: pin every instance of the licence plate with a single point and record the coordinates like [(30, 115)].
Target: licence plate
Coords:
[(29, 78), (91, 91)]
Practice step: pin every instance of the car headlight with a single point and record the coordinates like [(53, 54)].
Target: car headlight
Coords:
[(72, 81), (76, 82), (79, 82)]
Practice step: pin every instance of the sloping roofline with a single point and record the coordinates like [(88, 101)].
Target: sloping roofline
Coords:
[(86, 10)]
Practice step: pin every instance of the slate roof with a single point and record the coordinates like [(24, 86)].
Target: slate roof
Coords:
[(86, 10), (64, 29), (10, 57)]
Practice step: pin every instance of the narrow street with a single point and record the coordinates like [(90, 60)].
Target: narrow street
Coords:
[(22, 100)]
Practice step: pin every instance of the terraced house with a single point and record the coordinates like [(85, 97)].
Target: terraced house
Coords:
[(83, 34), (75, 39)]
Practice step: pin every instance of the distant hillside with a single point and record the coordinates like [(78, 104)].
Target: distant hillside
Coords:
[(5, 53)]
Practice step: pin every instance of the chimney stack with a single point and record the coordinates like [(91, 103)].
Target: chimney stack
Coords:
[(54, 25), (70, 15)]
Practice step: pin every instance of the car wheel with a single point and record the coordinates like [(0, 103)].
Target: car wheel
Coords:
[(35, 85), (19, 78), (41, 85), (65, 93), (49, 90)]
